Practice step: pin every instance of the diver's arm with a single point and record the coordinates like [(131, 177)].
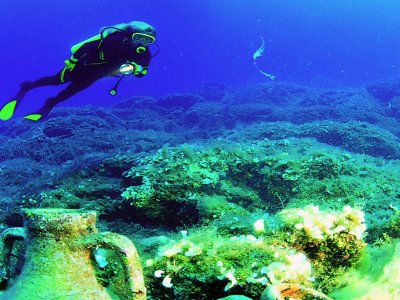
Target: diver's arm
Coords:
[(143, 60), (140, 72), (88, 49)]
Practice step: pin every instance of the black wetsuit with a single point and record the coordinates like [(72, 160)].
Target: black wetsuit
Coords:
[(96, 59)]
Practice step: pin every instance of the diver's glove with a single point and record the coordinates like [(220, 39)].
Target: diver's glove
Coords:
[(138, 69), (71, 63)]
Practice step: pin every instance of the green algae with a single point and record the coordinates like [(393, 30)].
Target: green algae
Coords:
[(218, 193)]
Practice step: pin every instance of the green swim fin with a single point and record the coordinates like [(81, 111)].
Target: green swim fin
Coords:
[(33, 117), (8, 110)]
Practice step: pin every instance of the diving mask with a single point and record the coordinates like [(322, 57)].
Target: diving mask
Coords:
[(142, 39)]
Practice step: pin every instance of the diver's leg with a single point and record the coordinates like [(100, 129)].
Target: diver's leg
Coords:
[(43, 81), (73, 88), (26, 86), (7, 111)]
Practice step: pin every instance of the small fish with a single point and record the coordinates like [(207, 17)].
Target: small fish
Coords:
[(258, 53)]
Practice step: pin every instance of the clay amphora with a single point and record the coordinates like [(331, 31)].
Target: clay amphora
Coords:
[(66, 257)]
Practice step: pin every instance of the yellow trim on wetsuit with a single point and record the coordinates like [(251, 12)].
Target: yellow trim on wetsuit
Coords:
[(62, 75), (75, 47), (101, 52)]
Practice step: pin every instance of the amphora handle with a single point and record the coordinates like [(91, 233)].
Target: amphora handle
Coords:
[(128, 256), (7, 239)]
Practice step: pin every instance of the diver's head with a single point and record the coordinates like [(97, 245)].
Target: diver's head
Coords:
[(143, 34)]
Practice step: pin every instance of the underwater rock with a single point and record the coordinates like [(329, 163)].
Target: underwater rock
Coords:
[(135, 102), (212, 91), (58, 128), (16, 129), (384, 91), (268, 93), (235, 297), (178, 101), (356, 137)]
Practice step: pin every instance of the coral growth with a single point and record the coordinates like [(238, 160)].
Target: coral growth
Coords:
[(332, 240), (267, 195), (210, 182), (215, 264)]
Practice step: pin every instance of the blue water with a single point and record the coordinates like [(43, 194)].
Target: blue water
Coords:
[(345, 42), (327, 133)]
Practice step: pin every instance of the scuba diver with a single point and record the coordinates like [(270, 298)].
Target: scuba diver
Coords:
[(121, 49)]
